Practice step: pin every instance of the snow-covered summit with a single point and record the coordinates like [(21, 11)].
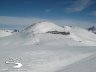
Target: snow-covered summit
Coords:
[(42, 27)]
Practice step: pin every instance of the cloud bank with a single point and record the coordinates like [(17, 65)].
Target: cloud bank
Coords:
[(18, 20), (75, 23), (21, 21)]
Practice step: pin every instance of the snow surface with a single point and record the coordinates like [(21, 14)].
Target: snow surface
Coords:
[(4, 33), (34, 50)]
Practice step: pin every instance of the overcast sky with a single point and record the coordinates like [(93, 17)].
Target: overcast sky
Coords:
[(63, 12)]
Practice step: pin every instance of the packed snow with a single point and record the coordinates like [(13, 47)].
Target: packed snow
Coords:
[(35, 50)]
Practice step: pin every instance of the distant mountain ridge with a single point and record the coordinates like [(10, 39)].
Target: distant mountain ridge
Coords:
[(93, 29)]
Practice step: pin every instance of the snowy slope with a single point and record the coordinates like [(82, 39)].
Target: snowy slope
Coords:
[(85, 65), (4, 33), (44, 58), (82, 35)]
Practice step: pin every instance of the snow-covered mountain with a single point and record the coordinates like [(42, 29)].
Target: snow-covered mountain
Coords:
[(47, 32), (77, 34), (45, 47)]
